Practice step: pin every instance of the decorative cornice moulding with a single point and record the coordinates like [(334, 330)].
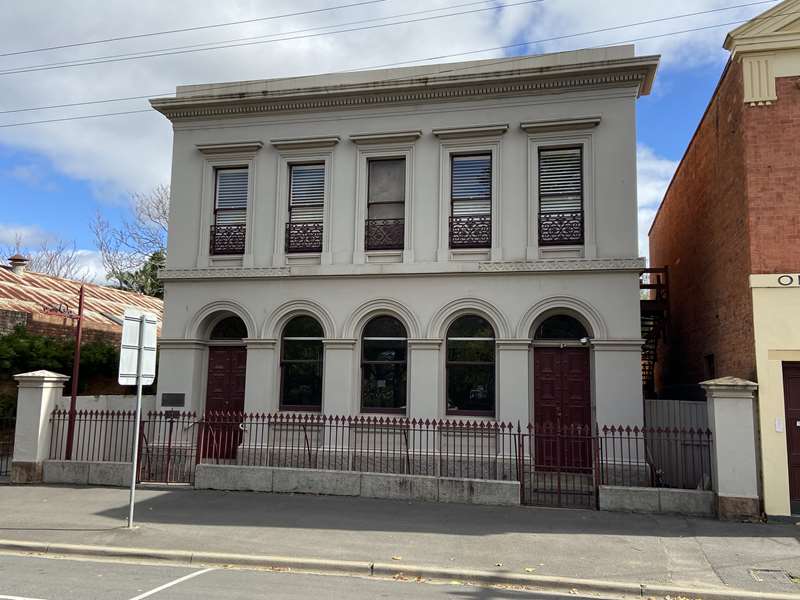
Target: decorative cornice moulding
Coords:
[(458, 133), (230, 148), (386, 138), (637, 72), (577, 123), (305, 142), (565, 264), (223, 273)]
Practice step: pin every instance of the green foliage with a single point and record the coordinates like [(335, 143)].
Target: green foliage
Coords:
[(145, 279), (21, 352)]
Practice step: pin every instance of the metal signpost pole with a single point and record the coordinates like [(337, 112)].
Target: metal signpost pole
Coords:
[(135, 455), (76, 364)]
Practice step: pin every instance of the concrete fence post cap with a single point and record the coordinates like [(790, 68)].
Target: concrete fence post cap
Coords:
[(41, 376), (729, 383)]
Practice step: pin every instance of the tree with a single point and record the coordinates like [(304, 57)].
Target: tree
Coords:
[(145, 279), (51, 257), (133, 251)]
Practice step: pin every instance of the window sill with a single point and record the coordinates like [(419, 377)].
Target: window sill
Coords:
[(374, 414), (227, 260), (471, 254), (304, 258), (575, 251), (384, 256)]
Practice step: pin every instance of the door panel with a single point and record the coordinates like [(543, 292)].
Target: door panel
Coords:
[(227, 369), (791, 393), (562, 408)]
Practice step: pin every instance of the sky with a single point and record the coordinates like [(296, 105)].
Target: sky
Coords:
[(55, 177)]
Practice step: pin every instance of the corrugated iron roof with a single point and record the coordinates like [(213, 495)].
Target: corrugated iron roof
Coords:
[(32, 292)]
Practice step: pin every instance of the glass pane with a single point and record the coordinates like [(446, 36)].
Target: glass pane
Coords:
[(386, 211), (384, 349), (470, 388), (303, 326), (560, 327), (302, 385), (387, 180), (229, 328), (477, 351), (385, 326), (470, 326), (471, 177), (302, 350), (383, 386)]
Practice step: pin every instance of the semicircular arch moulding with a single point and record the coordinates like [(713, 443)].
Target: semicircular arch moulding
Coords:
[(582, 310), (441, 320), (274, 324), (202, 321), (381, 306)]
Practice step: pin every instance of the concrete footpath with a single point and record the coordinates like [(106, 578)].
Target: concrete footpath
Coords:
[(505, 541)]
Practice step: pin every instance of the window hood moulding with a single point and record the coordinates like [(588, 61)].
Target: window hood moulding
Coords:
[(635, 72)]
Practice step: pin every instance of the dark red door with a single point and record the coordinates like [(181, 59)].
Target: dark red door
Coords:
[(227, 368), (562, 408), (791, 395)]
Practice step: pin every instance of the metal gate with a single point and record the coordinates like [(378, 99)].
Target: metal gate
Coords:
[(7, 426), (557, 466), (168, 446)]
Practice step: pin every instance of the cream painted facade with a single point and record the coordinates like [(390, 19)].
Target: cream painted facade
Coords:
[(507, 109), (776, 318)]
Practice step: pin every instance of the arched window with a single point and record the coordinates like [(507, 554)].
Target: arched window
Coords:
[(229, 328), (560, 327), (383, 366), (301, 365), (470, 367)]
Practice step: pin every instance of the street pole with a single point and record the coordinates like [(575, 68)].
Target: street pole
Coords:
[(135, 454), (76, 364)]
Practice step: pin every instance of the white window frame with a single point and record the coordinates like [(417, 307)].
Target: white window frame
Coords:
[(286, 158), (364, 155), (210, 166), (538, 142), (469, 146)]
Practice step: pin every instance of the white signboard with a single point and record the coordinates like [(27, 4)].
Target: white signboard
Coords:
[(131, 339)]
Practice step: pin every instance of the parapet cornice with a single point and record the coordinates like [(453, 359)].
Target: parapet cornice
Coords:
[(433, 88)]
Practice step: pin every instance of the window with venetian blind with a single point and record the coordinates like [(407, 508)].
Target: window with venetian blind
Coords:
[(306, 207), (230, 211), (560, 196), (386, 204), (471, 201)]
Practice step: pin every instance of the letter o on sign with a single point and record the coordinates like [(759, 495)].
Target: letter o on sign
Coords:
[(785, 280)]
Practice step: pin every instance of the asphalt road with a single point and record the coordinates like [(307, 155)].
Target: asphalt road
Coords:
[(36, 578)]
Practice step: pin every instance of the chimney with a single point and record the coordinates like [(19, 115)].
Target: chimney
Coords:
[(18, 264)]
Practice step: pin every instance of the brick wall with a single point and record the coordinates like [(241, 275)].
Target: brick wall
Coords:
[(701, 234), (772, 138), (9, 319)]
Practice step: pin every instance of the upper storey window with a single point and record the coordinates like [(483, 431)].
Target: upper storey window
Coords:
[(561, 196), (386, 194), (471, 201), (230, 211), (306, 208)]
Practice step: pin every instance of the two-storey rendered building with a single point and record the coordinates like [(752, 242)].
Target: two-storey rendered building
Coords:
[(447, 240)]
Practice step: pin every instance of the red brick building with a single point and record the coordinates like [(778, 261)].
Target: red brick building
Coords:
[(728, 230)]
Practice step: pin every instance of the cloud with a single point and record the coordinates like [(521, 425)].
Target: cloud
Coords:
[(131, 153), (654, 174), (90, 266), (32, 175), (26, 235)]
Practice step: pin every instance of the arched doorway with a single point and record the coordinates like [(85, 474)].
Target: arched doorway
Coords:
[(562, 387), (227, 366)]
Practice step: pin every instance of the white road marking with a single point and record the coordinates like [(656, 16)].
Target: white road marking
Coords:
[(17, 598), (166, 585)]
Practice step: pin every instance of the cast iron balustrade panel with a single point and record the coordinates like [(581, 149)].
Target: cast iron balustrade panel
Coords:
[(303, 237), (227, 239), (474, 231), (384, 234), (561, 228)]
